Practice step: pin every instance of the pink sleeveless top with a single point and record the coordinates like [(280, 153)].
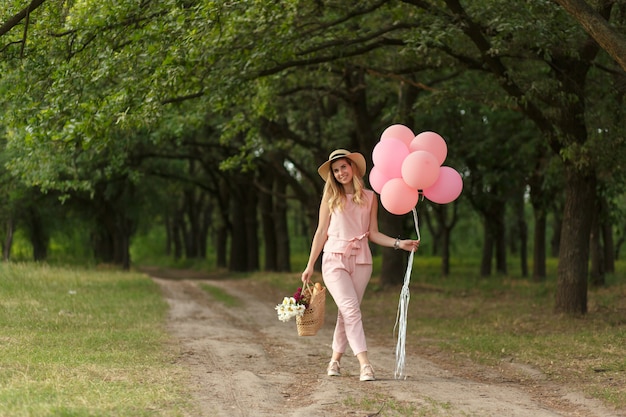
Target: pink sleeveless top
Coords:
[(349, 228)]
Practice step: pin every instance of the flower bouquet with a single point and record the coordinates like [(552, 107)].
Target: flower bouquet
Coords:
[(307, 305)]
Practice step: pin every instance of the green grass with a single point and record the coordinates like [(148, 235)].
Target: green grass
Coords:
[(77, 342), (221, 295), (513, 319)]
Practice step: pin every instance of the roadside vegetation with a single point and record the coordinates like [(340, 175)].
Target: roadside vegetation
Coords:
[(84, 342)]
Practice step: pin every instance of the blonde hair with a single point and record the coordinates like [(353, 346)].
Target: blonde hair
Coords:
[(336, 194)]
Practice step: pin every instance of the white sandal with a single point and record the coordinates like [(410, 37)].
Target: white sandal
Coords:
[(367, 373), (334, 369)]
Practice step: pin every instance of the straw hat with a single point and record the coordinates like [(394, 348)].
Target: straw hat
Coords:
[(355, 157)]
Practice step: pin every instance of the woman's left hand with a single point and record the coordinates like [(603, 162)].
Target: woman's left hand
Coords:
[(409, 245)]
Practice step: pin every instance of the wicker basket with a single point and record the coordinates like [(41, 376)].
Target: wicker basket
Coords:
[(313, 318)]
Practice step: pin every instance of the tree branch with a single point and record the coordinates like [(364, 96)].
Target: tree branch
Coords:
[(598, 28), (357, 12), (12, 22), (328, 58), (180, 99), (473, 31), (355, 41)]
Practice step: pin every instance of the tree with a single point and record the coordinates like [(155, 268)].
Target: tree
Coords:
[(563, 66), (103, 78)]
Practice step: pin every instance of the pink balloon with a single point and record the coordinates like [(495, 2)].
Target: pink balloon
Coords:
[(447, 188), (377, 179), (397, 197), (398, 131), (420, 169), (430, 142), (388, 155)]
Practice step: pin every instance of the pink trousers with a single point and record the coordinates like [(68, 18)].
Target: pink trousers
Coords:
[(346, 282)]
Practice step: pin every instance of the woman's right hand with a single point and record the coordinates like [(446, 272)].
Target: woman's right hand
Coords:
[(307, 274)]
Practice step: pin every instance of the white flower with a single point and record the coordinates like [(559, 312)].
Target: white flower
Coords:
[(289, 309), (289, 301)]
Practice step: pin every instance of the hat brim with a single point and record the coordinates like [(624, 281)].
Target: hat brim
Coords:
[(355, 157)]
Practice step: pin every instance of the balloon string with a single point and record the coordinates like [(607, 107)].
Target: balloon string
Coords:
[(417, 225), (403, 307)]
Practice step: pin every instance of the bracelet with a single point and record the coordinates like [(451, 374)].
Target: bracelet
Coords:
[(396, 244)]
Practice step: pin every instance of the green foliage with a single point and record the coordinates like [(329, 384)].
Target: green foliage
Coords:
[(121, 92), (113, 69)]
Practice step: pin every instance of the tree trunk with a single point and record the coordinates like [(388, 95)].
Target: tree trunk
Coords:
[(125, 231), (168, 234), (102, 245), (445, 226), (540, 201), (539, 246), (619, 243), (500, 239), (120, 237), (312, 220), (281, 228), (252, 227), (239, 237), (607, 239), (596, 273), (445, 252), (244, 250), (485, 263), (522, 230), (177, 233), (221, 243), (190, 220), (38, 236), (224, 225), (580, 194), (433, 230), (8, 239), (394, 262), (495, 238), (266, 208), (205, 225), (111, 242), (196, 225), (557, 229)]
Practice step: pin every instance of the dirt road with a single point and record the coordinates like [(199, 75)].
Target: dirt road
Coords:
[(244, 362)]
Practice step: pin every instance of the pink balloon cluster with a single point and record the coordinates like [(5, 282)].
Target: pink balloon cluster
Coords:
[(405, 163)]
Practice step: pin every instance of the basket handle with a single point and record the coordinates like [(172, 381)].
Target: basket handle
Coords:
[(309, 288)]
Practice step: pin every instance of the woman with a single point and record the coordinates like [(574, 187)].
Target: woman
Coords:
[(347, 219)]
